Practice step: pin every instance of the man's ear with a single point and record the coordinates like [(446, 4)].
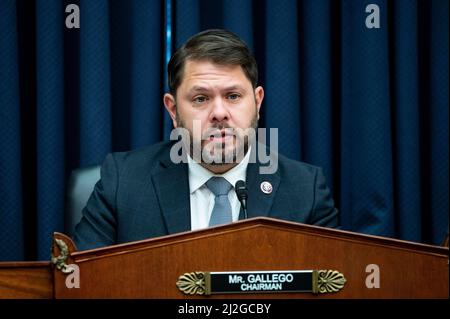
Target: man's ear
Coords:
[(171, 107), (259, 97)]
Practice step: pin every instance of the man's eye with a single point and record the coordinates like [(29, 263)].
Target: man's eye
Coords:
[(233, 96), (199, 99)]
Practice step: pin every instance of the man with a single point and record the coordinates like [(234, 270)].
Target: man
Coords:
[(213, 97)]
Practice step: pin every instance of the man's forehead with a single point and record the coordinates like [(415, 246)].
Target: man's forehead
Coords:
[(200, 75), (200, 66)]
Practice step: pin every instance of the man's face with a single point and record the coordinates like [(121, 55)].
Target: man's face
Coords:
[(219, 97)]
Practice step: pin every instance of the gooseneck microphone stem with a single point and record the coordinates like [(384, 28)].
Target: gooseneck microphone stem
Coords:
[(244, 209), (242, 194)]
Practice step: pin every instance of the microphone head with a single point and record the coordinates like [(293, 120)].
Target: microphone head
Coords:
[(241, 189)]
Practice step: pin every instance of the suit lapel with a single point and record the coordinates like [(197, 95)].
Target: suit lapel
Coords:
[(260, 203), (171, 183)]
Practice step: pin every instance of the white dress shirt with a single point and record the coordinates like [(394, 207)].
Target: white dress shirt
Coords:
[(202, 199)]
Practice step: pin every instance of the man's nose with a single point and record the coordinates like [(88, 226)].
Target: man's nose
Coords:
[(219, 111)]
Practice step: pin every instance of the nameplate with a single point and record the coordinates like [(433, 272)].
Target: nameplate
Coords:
[(284, 281)]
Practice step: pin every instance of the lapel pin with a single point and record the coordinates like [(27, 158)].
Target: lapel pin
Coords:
[(266, 187)]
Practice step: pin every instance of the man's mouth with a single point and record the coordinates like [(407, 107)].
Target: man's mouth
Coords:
[(222, 137), (219, 135)]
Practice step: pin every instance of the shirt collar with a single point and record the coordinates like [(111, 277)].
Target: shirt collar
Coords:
[(198, 175)]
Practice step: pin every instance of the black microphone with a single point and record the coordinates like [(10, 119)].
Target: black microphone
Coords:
[(242, 194)]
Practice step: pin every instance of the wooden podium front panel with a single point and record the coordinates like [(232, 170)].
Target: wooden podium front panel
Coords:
[(26, 280), (150, 269)]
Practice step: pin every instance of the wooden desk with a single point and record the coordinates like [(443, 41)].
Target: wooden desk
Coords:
[(150, 268)]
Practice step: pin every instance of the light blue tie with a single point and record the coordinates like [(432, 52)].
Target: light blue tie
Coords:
[(221, 213)]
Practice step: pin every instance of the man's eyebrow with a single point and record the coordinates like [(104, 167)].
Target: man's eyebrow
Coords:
[(197, 88), (234, 88)]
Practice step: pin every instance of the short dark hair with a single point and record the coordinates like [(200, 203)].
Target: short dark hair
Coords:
[(219, 46)]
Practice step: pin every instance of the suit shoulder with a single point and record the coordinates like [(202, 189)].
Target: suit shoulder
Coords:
[(147, 156), (294, 169)]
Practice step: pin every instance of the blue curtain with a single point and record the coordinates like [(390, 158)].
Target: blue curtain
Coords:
[(368, 105)]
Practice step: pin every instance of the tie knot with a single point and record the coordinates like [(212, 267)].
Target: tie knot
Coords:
[(218, 186)]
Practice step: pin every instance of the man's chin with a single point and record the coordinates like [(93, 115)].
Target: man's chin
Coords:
[(220, 158)]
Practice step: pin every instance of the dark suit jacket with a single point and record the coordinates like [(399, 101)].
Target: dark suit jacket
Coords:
[(143, 194)]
